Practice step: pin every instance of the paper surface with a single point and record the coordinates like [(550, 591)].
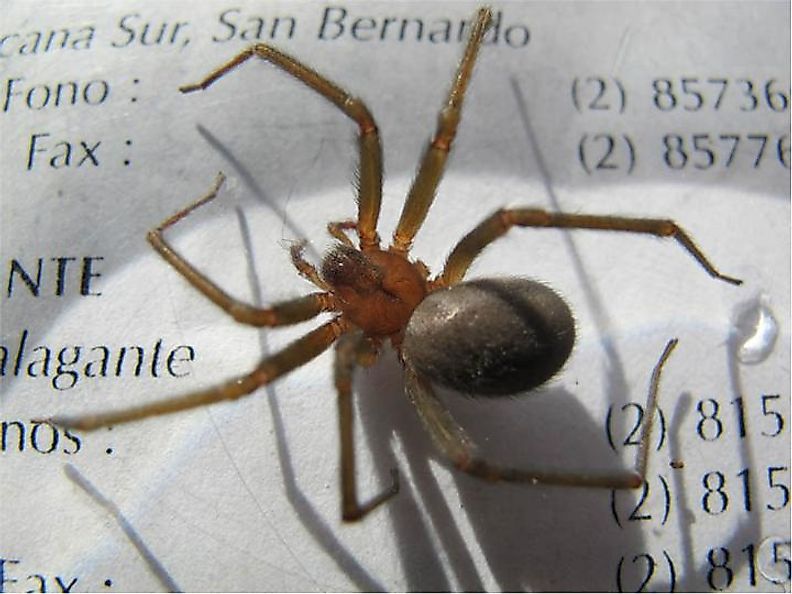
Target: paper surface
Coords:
[(665, 110)]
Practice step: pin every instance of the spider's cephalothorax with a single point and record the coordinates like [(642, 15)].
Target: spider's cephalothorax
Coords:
[(491, 336), (376, 290)]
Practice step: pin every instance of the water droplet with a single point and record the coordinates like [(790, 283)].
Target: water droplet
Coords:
[(772, 558), (757, 330)]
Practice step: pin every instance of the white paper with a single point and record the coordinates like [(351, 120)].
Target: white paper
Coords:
[(665, 110)]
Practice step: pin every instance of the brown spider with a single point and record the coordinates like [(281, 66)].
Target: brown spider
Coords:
[(492, 336)]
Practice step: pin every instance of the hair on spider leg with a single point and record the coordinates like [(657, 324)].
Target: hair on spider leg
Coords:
[(491, 337)]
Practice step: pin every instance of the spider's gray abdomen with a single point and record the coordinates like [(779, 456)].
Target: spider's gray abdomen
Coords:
[(492, 337)]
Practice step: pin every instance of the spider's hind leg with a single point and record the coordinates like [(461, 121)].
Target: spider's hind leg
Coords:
[(454, 443)]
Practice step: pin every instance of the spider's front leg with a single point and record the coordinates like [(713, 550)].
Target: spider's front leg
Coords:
[(370, 167), (454, 443), (351, 351)]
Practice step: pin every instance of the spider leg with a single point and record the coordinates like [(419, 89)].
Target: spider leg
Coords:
[(500, 222), (430, 171), (351, 350), (269, 369), (370, 172), (454, 443), (285, 312)]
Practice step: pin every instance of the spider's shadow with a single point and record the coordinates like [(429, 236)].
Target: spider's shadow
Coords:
[(539, 538)]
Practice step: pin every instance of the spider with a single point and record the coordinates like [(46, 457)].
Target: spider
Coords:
[(490, 337)]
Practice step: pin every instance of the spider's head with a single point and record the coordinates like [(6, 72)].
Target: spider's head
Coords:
[(344, 266), (377, 291)]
